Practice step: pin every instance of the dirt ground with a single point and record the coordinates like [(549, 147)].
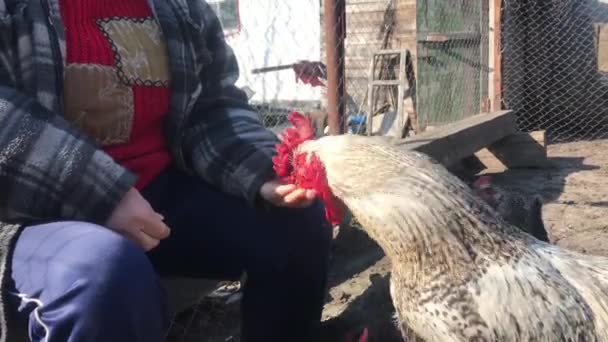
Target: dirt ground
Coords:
[(575, 193)]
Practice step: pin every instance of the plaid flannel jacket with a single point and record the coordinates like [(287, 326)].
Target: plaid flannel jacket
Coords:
[(50, 171)]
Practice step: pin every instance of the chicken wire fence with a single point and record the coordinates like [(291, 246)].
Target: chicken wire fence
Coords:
[(272, 40), (553, 58), (436, 50)]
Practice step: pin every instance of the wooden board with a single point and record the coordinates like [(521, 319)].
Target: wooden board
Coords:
[(450, 143), (601, 46), (494, 60), (520, 150)]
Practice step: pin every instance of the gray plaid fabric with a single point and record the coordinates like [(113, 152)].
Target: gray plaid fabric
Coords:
[(50, 171)]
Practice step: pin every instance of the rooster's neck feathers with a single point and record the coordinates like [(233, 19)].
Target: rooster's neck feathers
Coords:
[(412, 206)]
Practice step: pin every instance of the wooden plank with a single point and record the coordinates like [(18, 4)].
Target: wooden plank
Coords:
[(484, 55), (520, 150), (366, 17), (365, 50), (434, 37), (359, 2), (453, 142), (376, 18), (495, 74), (400, 6), (601, 47), (401, 114), (370, 98), (371, 31)]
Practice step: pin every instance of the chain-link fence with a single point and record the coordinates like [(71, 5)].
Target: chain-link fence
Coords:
[(427, 59), (555, 58), (268, 38), (415, 64)]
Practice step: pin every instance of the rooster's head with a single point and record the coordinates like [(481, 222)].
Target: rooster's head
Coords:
[(302, 169), (484, 188)]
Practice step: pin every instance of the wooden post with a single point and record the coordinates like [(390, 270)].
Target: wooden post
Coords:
[(335, 32), (495, 62)]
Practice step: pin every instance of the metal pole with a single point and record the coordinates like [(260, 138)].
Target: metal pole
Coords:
[(335, 31)]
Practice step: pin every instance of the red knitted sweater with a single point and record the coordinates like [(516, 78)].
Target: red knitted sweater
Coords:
[(116, 81)]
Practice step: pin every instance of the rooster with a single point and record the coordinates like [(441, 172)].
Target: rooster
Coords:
[(459, 271), (522, 212)]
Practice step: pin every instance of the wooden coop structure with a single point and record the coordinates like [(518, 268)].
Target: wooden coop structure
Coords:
[(448, 57), (436, 65)]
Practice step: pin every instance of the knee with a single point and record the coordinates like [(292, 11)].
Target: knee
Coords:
[(96, 251), (118, 284), (88, 277), (117, 267), (115, 257), (100, 267)]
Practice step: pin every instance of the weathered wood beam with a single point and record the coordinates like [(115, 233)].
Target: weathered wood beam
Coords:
[(495, 56), (453, 142), (520, 150)]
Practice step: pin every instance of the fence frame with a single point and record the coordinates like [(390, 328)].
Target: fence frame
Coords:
[(335, 33)]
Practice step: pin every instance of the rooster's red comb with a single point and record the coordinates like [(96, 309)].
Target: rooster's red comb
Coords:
[(302, 125), (291, 138)]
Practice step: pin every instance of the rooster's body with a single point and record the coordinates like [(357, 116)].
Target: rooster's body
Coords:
[(459, 271)]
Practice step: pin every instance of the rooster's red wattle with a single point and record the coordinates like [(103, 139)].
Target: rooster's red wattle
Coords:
[(305, 171)]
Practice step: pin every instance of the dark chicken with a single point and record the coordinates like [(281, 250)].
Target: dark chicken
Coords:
[(459, 271), (522, 212)]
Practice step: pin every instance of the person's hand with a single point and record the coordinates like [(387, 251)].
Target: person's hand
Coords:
[(135, 219), (286, 195)]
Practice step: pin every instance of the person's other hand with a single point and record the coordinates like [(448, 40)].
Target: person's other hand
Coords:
[(287, 195), (135, 219)]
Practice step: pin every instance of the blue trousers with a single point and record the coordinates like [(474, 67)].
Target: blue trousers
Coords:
[(74, 281)]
